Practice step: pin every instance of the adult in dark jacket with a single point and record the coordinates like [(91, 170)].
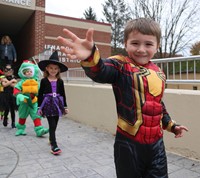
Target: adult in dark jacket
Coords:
[(8, 53)]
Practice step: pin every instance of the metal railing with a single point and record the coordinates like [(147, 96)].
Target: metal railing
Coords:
[(76, 75), (180, 69), (177, 70)]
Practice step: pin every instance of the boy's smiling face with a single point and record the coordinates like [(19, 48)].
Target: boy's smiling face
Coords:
[(141, 48), (28, 73)]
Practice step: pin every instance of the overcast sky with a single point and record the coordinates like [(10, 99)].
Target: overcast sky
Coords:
[(74, 8)]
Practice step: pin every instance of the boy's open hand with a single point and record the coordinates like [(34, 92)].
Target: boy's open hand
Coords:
[(76, 48), (178, 131)]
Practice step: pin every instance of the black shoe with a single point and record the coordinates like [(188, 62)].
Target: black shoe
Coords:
[(5, 122), (13, 125), (55, 150)]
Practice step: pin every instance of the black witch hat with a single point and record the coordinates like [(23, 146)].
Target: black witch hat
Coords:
[(54, 59)]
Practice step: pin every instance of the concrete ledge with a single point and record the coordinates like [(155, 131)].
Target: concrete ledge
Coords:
[(94, 105), (184, 108)]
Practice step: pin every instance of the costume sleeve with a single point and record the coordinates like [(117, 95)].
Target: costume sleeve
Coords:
[(41, 92), (14, 51), (62, 93), (16, 91), (101, 70), (167, 122)]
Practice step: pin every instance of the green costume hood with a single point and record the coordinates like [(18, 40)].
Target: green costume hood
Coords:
[(28, 65)]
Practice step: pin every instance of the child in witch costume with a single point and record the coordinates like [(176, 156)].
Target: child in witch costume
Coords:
[(26, 91), (51, 98)]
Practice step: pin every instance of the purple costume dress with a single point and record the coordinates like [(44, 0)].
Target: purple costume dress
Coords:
[(52, 99)]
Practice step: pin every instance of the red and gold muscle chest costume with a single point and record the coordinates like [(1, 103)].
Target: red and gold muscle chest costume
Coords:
[(138, 93)]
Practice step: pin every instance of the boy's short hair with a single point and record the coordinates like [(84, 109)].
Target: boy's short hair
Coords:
[(145, 26)]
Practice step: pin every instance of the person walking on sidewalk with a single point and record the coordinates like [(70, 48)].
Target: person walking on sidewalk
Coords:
[(7, 100), (26, 92), (138, 85), (51, 98)]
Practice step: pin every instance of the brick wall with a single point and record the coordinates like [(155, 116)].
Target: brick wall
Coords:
[(41, 30), (39, 27), (54, 28), (40, 3), (31, 38)]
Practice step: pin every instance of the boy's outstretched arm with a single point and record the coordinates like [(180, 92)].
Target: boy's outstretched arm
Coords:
[(75, 47)]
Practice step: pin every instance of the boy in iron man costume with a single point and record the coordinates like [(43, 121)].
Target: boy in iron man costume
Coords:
[(138, 86)]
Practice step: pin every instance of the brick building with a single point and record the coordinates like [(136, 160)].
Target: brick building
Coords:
[(33, 31)]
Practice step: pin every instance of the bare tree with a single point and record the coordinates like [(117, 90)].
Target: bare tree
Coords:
[(179, 20), (117, 14)]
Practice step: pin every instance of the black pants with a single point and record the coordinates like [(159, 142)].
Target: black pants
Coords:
[(12, 113), (135, 160), (53, 122), (9, 106)]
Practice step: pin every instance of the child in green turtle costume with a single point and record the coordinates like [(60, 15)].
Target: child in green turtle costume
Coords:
[(26, 91)]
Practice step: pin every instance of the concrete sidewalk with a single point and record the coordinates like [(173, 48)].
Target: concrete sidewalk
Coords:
[(86, 153)]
